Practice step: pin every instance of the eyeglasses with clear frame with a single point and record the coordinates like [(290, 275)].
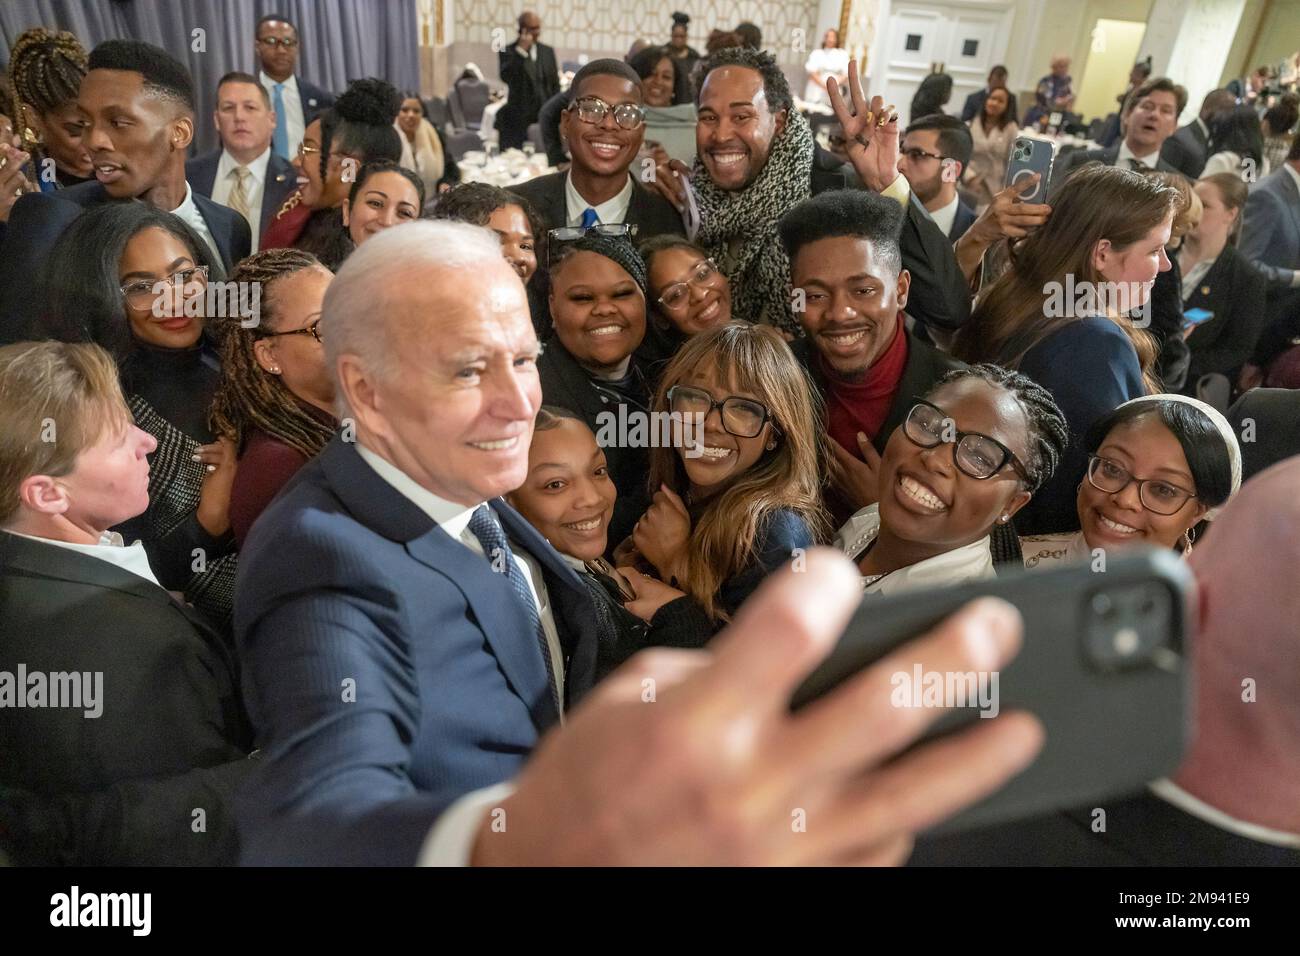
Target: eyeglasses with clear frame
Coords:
[(675, 295), (592, 109), (974, 454), (742, 417), (1156, 495), (140, 294)]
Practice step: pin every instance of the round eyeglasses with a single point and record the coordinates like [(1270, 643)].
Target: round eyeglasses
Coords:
[(976, 455), (742, 417), (1160, 497), (676, 294), (592, 109)]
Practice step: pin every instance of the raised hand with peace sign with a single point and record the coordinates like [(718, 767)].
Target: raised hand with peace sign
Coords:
[(870, 132)]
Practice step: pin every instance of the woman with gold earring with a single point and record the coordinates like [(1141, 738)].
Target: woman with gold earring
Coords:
[(45, 71)]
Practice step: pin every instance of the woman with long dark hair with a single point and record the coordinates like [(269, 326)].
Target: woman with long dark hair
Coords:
[(136, 280), (1060, 314), (1237, 138)]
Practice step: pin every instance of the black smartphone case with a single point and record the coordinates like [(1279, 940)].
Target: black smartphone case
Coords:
[(1104, 665)]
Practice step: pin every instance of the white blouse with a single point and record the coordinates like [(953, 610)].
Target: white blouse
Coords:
[(972, 562), (988, 160)]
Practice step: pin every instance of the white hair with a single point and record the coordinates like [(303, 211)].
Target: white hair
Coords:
[(365, 302)]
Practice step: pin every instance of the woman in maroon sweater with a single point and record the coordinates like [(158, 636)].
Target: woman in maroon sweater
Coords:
[(276, 399)]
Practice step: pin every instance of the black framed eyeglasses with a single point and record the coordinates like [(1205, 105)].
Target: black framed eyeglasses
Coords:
[(914, 153), (557, 238), (976, 455), (676, 294), (1155, 494), (313, 330), (140, 294), (742, 417), (592, 109), (273, 42)]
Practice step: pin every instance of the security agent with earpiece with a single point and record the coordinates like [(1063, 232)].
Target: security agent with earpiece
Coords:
[(139, 104), (935, 153)]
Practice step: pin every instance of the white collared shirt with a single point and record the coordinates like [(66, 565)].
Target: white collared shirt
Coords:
[(1175, 795), (610, 211), (1125, 154), (454, 518), (944, 216), (189, 212), (110, 548), (254, 189), (295, 122), (529, 54), (971, 562)]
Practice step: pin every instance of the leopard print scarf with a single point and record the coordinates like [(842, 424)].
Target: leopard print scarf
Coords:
[(759, 270)]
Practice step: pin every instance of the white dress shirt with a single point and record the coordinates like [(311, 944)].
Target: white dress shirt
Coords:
[(945, 215), (610, 211), (254, 189), (110, 548), (972, 562), (189, 212), (295, 123), (1125, 154), (1175, 795)]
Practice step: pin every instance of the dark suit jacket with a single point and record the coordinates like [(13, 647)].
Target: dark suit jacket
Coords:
[(925, 366), (1276, 416), (940, 295), (1270, 237), (1187, 150), (121, 788), (1234, 292), (565, 383), (38, 219), (648, 211), (1106, 157), (388, 670), (314, 100), (964, 219), (280, 181), (526, 95)]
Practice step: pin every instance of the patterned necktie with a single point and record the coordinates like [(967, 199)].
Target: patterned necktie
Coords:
[(280, 139), (238, 198), (589, 218), (484, 526)]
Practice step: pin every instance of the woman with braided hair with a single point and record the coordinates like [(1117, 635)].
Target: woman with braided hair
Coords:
[(357, 130), (966, 458), (275, 401), (45, 71)]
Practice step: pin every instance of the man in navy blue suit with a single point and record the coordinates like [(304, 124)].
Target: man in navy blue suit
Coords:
[(407, 639), (244, 174), (296, 102), (138, 102)]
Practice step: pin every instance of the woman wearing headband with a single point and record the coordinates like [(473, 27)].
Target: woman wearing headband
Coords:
[(1157, 467)]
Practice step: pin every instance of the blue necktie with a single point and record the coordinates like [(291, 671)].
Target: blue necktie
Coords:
[(589, 218), (280, 139), (484, 526)]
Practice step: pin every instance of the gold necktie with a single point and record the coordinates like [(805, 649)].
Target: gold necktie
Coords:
[(238, 200)]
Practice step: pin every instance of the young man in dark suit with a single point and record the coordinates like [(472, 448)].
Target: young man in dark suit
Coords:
[(141, 767), (295, 101), (138, 101), (244, 175), (528, 69), (1152, 119), (604, 127), (847, 274), (935, 152), (1270, 240)]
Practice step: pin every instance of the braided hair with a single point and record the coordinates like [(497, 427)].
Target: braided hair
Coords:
[(45, 68), (1048, 432), (248, 397)]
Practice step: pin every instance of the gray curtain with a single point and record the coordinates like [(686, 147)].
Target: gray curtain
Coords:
[(341, 40)]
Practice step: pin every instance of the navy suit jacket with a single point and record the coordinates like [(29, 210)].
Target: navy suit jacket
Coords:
[(38, 219), (964, 219), (314, 100), (389, 669), (280, 181), (1270, 239)]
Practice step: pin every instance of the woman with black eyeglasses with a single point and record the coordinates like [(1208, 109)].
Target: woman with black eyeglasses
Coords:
[(966, 458), (736, 498), (141, 283), (1157, 467), (276, 398)]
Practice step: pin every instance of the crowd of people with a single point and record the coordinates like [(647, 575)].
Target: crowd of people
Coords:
[(379, 500)]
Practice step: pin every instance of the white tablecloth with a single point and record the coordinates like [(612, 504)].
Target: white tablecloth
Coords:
[(508, 169)]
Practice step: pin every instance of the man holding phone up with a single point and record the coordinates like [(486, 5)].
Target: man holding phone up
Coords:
[(528, 69)]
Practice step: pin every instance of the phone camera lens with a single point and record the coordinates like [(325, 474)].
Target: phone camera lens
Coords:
[(1126, 641), (1102, 605)]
